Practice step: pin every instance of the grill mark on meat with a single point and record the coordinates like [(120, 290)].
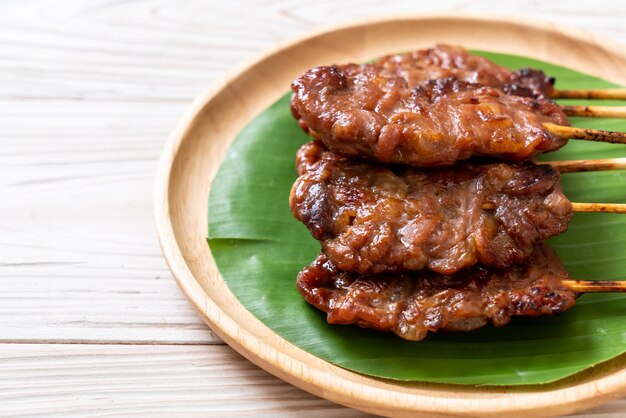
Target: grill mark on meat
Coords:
[(530, 83)]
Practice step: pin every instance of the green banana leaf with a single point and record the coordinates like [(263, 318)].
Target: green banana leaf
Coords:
[(259, 248)]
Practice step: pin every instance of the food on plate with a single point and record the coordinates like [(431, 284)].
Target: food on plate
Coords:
[(373, 218), (413, 304), (360, 113), (422, 229)]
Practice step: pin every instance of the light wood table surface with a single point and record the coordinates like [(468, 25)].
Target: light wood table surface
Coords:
[(91, 321)]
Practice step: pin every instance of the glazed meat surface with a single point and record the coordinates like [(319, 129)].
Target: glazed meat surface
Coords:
[(372, 218), (356, 111), (530, 83), (445, 61), (413, 304)]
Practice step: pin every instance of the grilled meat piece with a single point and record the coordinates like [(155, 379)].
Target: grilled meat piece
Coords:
[(445, 61), (358, 111), (442, 61), (372, 218), (413, 304)]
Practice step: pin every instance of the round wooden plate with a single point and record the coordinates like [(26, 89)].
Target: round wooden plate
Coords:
[(196, 148)]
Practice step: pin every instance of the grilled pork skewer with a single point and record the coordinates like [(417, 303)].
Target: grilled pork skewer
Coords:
[(453, 61), (436, 124), (384, 111), (373, 218), (415, 303)]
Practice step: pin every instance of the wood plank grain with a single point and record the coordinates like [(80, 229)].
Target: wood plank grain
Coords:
[(168, 50), (79, 380), (80, 260), (73, 380)]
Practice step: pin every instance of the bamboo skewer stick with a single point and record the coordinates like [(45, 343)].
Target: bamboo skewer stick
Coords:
[(595, 286), (573, 166), (599, 207), (615, 94), (584, 207), (569, 132), (595, 111)]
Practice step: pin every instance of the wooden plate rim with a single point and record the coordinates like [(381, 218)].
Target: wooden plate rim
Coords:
[(315, 380)]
